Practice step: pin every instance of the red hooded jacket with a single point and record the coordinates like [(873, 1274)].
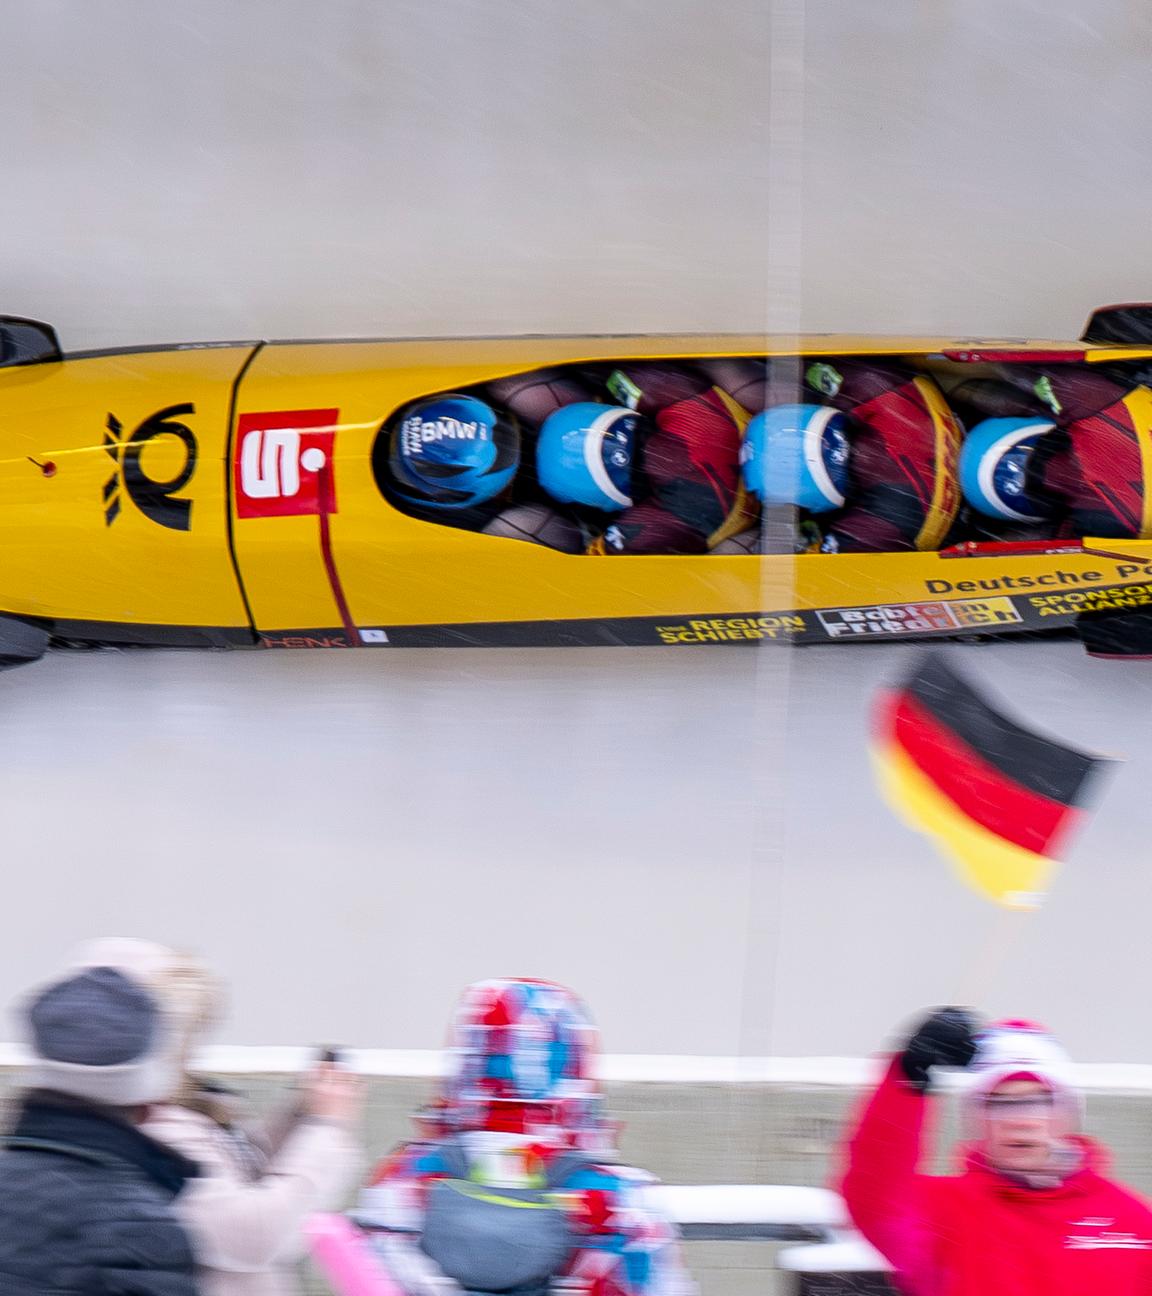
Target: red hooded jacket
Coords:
[(980, 1234)]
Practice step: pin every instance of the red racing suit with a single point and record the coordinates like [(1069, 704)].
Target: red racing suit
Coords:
[(979, 1233), (1097, 464), (905, 491), (690, 492)]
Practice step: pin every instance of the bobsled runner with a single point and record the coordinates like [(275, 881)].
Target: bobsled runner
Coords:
[(260, 494)]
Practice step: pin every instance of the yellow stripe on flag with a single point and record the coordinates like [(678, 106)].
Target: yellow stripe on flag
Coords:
[(999, 870)]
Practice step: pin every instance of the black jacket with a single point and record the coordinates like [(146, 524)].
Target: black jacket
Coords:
[(85, 1207)]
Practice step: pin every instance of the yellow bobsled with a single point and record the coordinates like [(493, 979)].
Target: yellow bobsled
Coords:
[(223, 495)]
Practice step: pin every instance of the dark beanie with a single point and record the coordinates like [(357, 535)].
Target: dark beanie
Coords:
[(99, 1034)]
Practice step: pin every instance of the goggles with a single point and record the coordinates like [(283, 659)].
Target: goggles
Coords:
[(1030, 1107)]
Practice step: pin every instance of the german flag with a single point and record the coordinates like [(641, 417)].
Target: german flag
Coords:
[(998, 799)]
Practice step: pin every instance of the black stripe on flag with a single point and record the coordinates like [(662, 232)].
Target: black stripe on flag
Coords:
[(1039, 764)]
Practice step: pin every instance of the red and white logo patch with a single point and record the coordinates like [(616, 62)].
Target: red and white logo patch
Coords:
[(283, 465)]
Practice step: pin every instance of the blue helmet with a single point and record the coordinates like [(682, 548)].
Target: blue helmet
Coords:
[(797, 454), (452, 452), (585, 453), (994, 468)]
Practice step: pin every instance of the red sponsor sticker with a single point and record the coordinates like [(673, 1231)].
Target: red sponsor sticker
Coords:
[(890, 619), (283, 463)]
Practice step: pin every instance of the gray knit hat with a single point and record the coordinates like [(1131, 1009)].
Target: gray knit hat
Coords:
[(99, 1034)]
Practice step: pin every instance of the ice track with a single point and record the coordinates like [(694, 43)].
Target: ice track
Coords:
[(691, 837)]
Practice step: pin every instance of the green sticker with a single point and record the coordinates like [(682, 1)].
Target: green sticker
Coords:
[(1043, 389), (625, 390), (809, 537), (824, 379)]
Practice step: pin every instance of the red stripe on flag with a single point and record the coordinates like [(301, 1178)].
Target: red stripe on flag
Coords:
[(972, 784)]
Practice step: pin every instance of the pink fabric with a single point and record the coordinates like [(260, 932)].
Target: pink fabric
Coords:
[(342, 1252)]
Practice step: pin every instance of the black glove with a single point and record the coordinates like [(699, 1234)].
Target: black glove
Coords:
[(946, 1038)]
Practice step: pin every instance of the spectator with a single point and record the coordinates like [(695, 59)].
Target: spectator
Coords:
[(246, 1211), (1032, 1213), (85, 1196), (514, 1186)]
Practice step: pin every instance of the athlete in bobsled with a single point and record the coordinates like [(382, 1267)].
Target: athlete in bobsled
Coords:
[(903, 489), (1065, 450), (865, 452), (659, 466), (513, 1186), (450, 459), (458, 459), (1066, 453)]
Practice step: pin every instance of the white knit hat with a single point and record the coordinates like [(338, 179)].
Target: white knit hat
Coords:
[(1022, 1050), (190, 997)]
